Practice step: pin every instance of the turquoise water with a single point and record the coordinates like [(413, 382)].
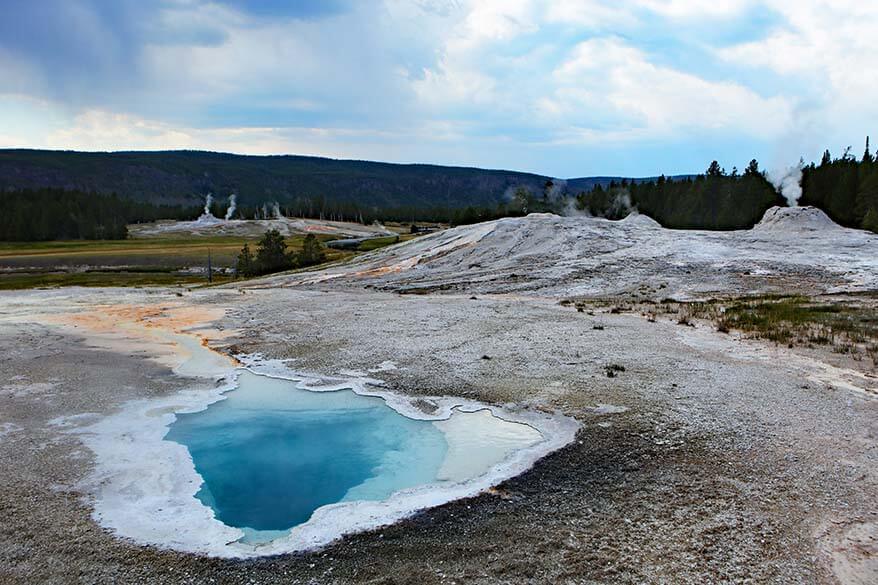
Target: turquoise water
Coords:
[(270, 453)]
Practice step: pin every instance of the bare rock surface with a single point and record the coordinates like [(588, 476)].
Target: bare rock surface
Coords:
[(549, 255), (796, 220), (705, 458)]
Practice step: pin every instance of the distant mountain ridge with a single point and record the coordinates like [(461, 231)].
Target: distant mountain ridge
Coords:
[(185, 177)]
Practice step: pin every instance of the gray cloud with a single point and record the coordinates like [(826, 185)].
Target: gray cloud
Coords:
[(71, 44)]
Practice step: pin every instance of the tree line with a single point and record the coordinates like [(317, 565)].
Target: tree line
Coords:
[(272, 256), (846, 188), (58, 214), (716, 199), (317, 207)]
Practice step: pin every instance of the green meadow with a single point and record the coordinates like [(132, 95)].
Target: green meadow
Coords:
[(165, 261)]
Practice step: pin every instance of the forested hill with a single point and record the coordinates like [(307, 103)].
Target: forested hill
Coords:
[(183, 177)]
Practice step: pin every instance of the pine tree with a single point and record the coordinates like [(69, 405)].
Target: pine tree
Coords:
[(714, 170), (271, 253), (870, 221), (311, 252), (245, 265)]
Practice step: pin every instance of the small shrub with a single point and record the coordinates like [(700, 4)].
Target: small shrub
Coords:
[(613, 370)]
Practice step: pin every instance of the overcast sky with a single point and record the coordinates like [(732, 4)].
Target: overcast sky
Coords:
[(565, 88)]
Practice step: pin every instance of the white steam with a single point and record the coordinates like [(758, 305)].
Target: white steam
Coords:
[(509, 193), (272, 212), (233, 205), (621, 205), (207, 218), (788, 182), (572, 210), (557, 190)]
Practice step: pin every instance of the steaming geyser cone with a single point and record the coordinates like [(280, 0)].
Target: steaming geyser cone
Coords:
[(640, 220), (206, 220), (795, 219)]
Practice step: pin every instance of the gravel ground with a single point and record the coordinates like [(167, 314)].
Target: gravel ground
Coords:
[(703, 461)]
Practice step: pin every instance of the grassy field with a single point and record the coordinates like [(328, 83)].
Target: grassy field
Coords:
[(18, 281), (133, 262), (844, 323), (375, 243)]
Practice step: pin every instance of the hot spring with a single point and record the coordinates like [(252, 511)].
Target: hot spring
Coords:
[(271, 453)]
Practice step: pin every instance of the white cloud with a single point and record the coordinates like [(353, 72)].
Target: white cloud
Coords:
[(589, 13), (824, 51), (816, 37), (687, 9), (101, 130), (495, 20), (600, 87), (612, 77), (460, 75), (447, 85)]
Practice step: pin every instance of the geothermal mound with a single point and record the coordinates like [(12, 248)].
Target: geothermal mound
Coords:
[(584, 256), (208, 225), (795, 219), (206, 219), (637, 219)]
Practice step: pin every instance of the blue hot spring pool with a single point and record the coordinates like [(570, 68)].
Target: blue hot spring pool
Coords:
[(270, 454)]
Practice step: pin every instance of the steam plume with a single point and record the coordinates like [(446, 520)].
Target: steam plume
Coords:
[(208, 201), (557, 190), (621, 205), (233, 204), (788, 182)]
